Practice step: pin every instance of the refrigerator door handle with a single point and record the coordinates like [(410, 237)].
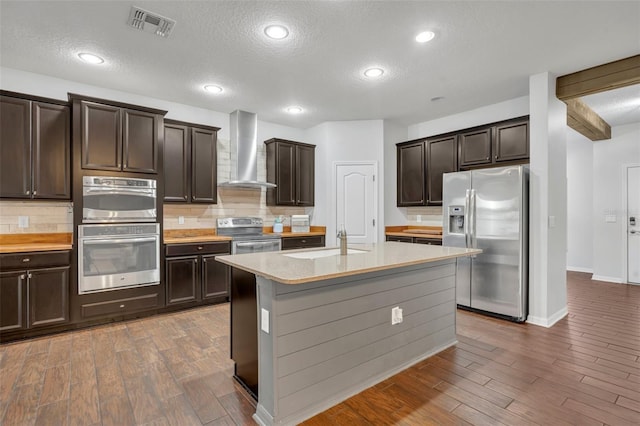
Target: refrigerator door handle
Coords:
[(467, 232), (472, 219)]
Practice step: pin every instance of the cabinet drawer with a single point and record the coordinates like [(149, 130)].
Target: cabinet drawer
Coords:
[(399, 239), (120, 306), (290, 243), (34, 260), (193, 249), (430, 241)]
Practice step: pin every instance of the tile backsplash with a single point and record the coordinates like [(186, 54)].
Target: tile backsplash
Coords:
[(43, 216), (429, 216)]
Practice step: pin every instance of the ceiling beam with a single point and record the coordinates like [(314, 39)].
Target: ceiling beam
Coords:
[(622, 73), (570, 87), (584, 120)]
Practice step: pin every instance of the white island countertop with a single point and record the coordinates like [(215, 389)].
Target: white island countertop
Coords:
[(283, 267)]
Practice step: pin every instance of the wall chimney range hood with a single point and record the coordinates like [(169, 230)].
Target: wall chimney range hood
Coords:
[(244, 152)]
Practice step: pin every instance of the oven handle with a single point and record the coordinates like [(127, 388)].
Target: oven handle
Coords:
[(119, 240), (151, 192)]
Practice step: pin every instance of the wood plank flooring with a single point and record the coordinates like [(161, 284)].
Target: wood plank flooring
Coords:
[(174, 370)]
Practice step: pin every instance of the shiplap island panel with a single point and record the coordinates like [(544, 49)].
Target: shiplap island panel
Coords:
[(325, 329)]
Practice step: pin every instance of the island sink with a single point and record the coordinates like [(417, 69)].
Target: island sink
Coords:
[(315, 254)]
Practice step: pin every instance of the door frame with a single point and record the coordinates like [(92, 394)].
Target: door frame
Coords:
[(331, 233), (623, 222)]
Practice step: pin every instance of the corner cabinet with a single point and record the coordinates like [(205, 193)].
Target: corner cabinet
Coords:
[(34, 290), (291, 166), (35, 149), (190, 163), (119, 138)]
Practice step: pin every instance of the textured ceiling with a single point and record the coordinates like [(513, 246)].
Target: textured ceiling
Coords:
[(484, 52)]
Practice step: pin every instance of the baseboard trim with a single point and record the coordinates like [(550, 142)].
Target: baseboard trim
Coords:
[(579, 269), (607, 279), (550, 321)]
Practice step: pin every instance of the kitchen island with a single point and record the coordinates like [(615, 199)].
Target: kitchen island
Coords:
[(325, 320)]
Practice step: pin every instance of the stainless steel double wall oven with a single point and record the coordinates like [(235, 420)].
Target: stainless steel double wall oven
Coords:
[(119, 239)]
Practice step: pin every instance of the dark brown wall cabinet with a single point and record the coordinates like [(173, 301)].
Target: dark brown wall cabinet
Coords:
[(34, 290), (119, 139), (35, 156), (190, 163), (291, 166), (495, 143), (193, 275), (421, 164), (291, 243)]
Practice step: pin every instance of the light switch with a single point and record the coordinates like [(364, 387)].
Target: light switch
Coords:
[(610, 218), (23, 221), (180, 220), (264, 320), (552, 221)]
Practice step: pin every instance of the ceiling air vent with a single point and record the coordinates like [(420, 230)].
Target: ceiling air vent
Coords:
[(150, 22)]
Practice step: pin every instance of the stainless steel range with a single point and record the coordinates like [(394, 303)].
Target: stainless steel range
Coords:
[(247, 237)]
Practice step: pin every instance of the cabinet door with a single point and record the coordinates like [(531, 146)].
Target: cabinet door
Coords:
[(204, 180), (285, 174), (475, 147), (305, 175), (215, 278), (101, 137), (176, 163), (512, 141), (140, 141), (442, 157), (411, 175), (15, 148), (48, 295), (12, 300), (51, 151), (182, 280)]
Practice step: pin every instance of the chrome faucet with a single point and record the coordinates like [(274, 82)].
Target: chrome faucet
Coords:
[(342, 236)]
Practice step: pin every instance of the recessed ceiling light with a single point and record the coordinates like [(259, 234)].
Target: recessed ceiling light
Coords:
[(276, 32), (90, 58), (374, 72), (212, 88), (425, 36), (294, 110)]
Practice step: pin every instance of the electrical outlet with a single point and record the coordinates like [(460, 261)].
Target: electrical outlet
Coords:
[(419, 218), (610, 218), (396, 315), (23, 221), (180, 220)]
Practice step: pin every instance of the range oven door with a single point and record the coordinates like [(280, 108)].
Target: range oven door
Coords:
[(117, 256), (106, 199)]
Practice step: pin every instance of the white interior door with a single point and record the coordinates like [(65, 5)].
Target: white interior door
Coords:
[(633, 224), (356, 201)]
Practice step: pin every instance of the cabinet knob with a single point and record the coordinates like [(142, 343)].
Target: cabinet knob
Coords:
[(199, 247), (27, 192), (22, 277), (25, 260), (121, 306), (496, 157), (487, 158), (35, 192), (29, 275)]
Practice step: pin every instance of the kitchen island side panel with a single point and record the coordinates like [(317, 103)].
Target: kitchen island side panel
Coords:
[(331, 339)]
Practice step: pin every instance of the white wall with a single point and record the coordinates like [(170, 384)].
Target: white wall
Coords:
[(609, 160), (580, 236), (512, 108), (393, 133), (345, 141), (548, 203)]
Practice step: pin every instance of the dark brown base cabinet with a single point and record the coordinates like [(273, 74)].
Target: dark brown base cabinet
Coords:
[(35, 149), (36, 295), (193, 275), (415, 240), (291, 243)]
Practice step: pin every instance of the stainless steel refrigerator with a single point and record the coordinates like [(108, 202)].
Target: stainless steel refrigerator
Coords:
[(488, 209)]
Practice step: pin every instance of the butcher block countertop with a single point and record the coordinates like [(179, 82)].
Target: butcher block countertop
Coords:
[(434, 232), (26, 243), (287, 268), (179, 236), (314, 231)]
